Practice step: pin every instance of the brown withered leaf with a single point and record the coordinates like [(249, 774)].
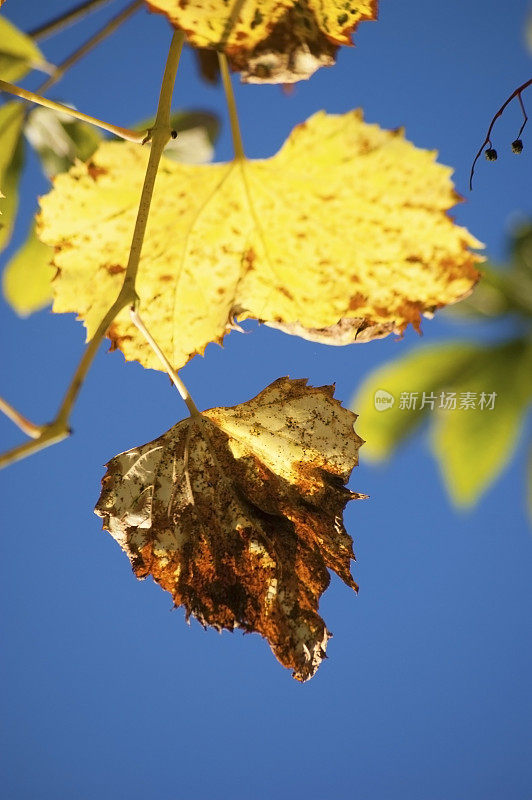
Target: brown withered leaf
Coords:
[(293, 51), (270, 41), (238, 514)]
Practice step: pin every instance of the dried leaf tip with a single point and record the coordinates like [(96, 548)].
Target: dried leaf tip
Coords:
[(268, 41)]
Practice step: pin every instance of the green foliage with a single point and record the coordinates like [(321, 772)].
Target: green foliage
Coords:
[(59, 139), (429, 369), (11, 160), (472, 445), (503, 290), (9, 203), (18, 53), (26, 279)]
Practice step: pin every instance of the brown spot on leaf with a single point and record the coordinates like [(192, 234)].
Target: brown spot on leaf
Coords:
[(248, 258), (95, 171), (356, 301), (114, 269), (116, 338)]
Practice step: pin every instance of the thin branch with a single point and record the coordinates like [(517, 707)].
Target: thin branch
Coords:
[(525, 117), (50, 435), (25, 425), (67, 18), (160, 135), (123, 133), (63, 415), (487, 141), (109, 28), (231, 105), (176, 380)]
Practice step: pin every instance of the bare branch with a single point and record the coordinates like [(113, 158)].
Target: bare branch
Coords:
[(67, 18), (492, 155), (160, 135)]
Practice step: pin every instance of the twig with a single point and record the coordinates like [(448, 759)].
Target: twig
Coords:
[(67, 18), (487, 141), (160, 135), (123, 133), (176, 380), (231, 104), (25, 425), (89, 45)]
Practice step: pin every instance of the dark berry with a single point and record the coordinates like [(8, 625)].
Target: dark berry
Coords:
[(174, 134), (491, 154), (517, 146)]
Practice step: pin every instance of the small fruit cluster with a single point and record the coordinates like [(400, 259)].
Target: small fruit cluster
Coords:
[(491, 153)]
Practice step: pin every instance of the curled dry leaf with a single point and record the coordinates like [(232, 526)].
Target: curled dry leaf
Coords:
[(238, 514), (344, 229), (270, 41)]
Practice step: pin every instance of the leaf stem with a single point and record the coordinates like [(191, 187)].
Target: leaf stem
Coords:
[(160, 135), (231, 106), (89, 45), (25, 425), (67, 18), (124, 133), (176, 380)]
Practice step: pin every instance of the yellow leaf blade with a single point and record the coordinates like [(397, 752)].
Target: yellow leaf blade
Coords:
[(346, 222)]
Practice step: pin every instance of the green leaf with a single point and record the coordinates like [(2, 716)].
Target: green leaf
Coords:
[(11, 160), (18, 53), (490, 297), (11, 119), (521, 248), (503, 290), (473, 445), (27, 277), (197, 132), (59, 139), (9, 205), (427, 370)]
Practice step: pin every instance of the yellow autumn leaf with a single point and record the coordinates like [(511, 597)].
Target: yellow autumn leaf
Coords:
[(238, 514), (270, 41), (346, 224)]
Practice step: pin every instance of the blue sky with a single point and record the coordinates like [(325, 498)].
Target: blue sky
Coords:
[(426, 694)]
